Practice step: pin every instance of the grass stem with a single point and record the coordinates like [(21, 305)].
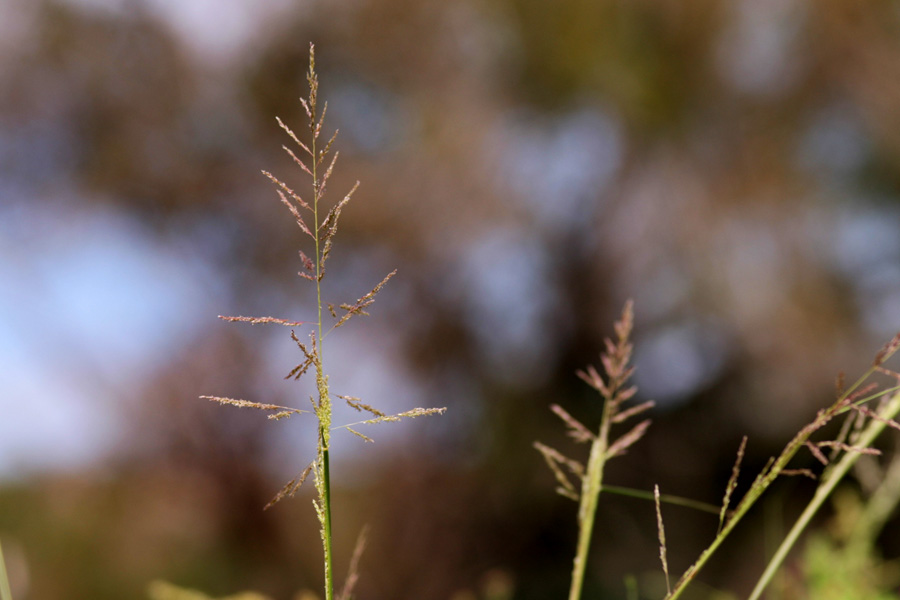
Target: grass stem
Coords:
[(664, 498), (872, 431), (587, 509), (5, 592), (329, 562)]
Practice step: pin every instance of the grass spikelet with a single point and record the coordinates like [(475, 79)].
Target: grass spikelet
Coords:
[(281, 415), (298, 371), (329, 226), (732, 482), (327, 148), (621, 445), (353, 571), (662, 539), (577, 431), (633, 411), (294, 137), (363, 302), (887, 351), (422, 412), (324, 181), (554, 459), (291, 487), (802, 472), (361, 435), (868, 412), (819, 456), (263, 320), (299, 218), (849, 448), (359, 406), (287, 190), (384, 418), (257, 405)]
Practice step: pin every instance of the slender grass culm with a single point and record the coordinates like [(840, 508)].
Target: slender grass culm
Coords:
[(862, 425), (613, 391), (321, 230), (5, 592)]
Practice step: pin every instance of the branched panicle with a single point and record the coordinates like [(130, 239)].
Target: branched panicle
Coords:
[(614, 391), (616, 364), (359, 307), (555, 460), (290, 488), (857, 434), (320, 226)]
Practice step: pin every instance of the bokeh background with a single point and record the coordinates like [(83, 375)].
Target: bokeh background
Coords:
[(527, 166)]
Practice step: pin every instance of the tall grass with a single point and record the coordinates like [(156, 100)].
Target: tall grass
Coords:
[(581, 482), (614, 393), (319, 224), (862, 426)]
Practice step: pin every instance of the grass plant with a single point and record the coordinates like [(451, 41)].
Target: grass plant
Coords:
[(862, 426), (614, 392), (852, 402), (319, 224), (581, 482)]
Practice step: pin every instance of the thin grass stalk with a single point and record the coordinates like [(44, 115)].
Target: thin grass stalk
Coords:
[(869, 434), (765, 479), (664, 498), (615, 362), (587, 509), (329, 569), (5, 592), (324, 428), (878, 510)]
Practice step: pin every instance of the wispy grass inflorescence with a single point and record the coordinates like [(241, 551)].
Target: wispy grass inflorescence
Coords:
[(614, 391), (855, 438), (863, 424), (320, 226)]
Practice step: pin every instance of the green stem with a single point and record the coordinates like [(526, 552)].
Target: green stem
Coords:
[(764, 480), (5, 593), (329, 576), (667, 498), (879, 508), (823, 492), (324, 408), (590, 494)]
